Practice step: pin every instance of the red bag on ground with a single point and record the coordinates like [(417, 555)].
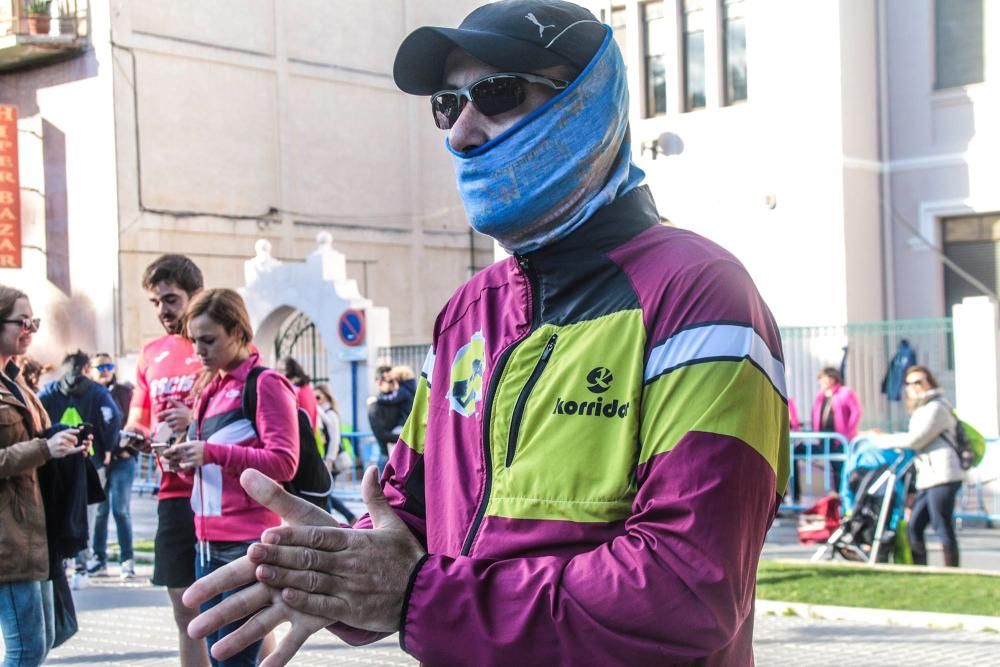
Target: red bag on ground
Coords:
[(818, 522)]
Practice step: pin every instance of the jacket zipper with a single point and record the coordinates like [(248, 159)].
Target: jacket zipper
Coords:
[(522, 399), (488, 405)]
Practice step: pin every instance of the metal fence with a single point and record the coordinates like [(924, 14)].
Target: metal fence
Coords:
[(404, 355), (869, 348)]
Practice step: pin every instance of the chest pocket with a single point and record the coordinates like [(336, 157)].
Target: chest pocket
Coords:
[(13, 428), (564, 422)]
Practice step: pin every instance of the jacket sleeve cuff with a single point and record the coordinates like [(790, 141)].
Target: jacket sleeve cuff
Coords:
[(212, 454), (406, 600), (354, 636), (43, 445)]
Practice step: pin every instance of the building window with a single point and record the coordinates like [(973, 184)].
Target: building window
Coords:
[(655, 46), (972, 242), (734, 45), (958, 42), (693, 22), (618, 30)]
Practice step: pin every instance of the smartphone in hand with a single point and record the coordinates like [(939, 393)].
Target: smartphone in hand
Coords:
[(84, 430)]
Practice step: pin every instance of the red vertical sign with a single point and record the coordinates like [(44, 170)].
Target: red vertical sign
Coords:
[(10, 191)]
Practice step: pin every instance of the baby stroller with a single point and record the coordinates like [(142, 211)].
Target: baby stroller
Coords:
[(874, 495)]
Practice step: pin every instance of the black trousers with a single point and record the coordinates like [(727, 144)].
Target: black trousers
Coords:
[(935, 505)]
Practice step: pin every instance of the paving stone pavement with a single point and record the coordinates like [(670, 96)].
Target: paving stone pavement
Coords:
[(130, 623)]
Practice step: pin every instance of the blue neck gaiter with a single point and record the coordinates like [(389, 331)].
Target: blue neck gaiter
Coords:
[(546, 175)]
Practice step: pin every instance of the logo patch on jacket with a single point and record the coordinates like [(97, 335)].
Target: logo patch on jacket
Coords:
[(467, 371), (598, 381)]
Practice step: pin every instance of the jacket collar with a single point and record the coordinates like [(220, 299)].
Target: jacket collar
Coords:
[(12, 371), (610, 227), (930, 395), (238, 374), (39, 419)]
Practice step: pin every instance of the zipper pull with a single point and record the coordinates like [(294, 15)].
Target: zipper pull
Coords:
[(551, 345)]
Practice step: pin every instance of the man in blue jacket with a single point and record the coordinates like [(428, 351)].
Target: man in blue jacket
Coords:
[(75, 399)]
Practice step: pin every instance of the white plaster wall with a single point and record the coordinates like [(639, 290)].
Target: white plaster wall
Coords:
[(785, 142), (944, 158), (72, 101), (274, 290)]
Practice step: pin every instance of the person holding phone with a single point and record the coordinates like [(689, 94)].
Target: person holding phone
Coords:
[(168, 377), (222, 441), (75, 399), (26, 442)]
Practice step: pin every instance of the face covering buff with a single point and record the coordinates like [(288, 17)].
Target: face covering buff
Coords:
[(546, 175)]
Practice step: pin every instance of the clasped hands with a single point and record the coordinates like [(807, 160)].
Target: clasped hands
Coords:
[(309, 572)]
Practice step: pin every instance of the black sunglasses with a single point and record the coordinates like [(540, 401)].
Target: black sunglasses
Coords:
[(27, 323), (491, 95)]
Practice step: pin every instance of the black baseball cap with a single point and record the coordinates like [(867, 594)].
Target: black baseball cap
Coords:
[(514, 35)]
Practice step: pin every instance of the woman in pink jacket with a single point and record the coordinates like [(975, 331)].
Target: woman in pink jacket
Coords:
[(223, 442), (835, 410)]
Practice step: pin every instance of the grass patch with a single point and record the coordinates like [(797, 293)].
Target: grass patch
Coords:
[(861, 587), (137, 545)]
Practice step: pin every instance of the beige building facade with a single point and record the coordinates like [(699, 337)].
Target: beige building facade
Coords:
[(845, 151), (200, 128)]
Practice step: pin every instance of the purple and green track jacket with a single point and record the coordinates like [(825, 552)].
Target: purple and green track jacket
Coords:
[(598, 445)]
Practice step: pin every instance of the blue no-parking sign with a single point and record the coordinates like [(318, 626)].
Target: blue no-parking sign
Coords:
[(351, 327)]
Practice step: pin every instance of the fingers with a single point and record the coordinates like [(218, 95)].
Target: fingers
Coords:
[(381, 514), (238, 573), (253, 630), (324, 606), (294, 510), (308, 581), (322, 538), (288, 646), (239, 605)]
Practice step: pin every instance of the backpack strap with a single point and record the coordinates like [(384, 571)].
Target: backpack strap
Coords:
[(248, 402)]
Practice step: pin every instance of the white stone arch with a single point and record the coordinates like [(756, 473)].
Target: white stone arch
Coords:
[(319, 288)]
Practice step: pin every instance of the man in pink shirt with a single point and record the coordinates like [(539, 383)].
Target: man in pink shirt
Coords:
[(166, 388)]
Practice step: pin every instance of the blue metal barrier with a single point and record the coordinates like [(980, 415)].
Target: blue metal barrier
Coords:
[(814, 448), (147, 475), (979, 499)]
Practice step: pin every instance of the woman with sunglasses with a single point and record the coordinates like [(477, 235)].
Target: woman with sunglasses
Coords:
[(223, 442), (26, 442), (930, 435)]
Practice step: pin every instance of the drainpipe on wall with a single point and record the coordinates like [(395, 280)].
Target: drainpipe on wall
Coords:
[(885, 180)]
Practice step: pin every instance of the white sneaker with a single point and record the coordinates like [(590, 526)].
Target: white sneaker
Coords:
[(96, 567), (80, 581), (128, 569)]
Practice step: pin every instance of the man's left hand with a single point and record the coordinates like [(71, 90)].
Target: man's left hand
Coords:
[(386, 587), (358, 577)]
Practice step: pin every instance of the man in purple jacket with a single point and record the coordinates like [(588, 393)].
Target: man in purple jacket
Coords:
[(599, 438)]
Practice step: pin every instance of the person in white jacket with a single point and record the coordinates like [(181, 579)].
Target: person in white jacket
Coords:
[(931, 435)]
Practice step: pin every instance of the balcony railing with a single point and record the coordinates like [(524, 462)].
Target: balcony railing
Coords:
[(30, 37)]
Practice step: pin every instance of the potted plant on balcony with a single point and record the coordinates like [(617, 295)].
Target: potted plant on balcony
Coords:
[(39, 19), (67, 18)]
